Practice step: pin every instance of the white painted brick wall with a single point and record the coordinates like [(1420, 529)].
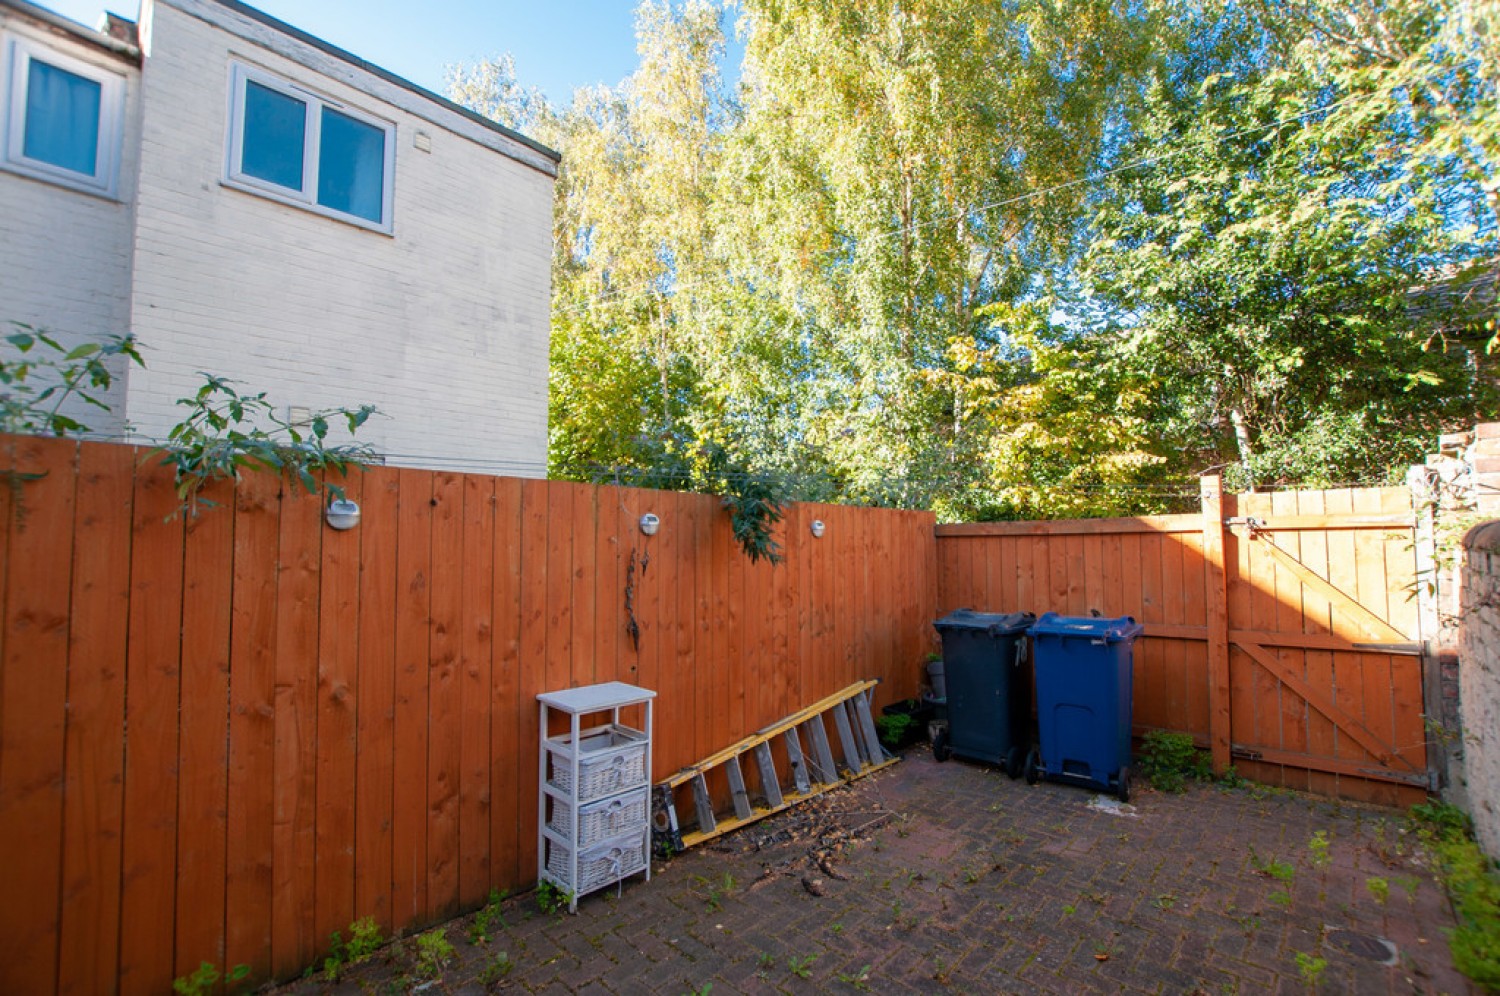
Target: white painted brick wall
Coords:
[(443, 326), (1479, 680), (66, 262)]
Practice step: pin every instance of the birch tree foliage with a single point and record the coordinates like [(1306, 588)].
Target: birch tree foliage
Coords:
[(890, 170)]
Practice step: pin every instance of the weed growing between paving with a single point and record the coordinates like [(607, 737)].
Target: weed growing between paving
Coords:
[(206, 978), (364, 940), (1474, 886), (1311, 968), (434, 953), (486, 918), (550, 898)]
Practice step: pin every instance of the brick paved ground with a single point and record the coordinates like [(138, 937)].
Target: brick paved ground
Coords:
[(952, 878)]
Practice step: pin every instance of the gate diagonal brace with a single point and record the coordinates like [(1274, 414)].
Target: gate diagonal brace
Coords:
[(812, 769)]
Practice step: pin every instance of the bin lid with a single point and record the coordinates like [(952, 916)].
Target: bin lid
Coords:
[(1092, 627), (994, 623)]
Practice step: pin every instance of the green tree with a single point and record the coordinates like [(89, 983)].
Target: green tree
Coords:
[(1263, 273), (900, 167)]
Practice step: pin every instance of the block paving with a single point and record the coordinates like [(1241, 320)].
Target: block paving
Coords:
[(951, 878)]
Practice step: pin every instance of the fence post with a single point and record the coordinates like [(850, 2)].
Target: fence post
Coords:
[(1211, 495)]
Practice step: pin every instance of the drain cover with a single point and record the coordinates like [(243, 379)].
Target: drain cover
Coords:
[(1367, 946)]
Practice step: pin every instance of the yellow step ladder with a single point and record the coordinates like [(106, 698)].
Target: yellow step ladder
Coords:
[(814, 769)]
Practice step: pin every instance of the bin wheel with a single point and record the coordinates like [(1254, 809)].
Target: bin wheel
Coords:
[(1033, 765), (940, 749), (1122, 789), (1013, 763)]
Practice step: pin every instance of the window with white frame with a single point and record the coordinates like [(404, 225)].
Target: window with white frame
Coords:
[(295, 145), (64, 117)]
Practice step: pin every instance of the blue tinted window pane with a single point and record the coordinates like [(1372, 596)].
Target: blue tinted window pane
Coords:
[(275, 126), (62, 118), (351, 166)]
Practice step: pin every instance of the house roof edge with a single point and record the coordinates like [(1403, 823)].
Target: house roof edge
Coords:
[(291, 31), (73, 29)]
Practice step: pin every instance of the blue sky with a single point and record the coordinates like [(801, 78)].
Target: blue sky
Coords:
[(557, 46)]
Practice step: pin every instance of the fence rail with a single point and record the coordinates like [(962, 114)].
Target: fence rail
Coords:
[(224, 736)]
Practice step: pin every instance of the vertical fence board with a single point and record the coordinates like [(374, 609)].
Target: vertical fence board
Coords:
[(583, 591), (1348, 669), (294, 938), (338, 689), (203, 717), (445, 734), (151, 701), (559, 587), (612, 661), (33, 699), (506, 747), (532, 670), (475, 801), (1195, 581), (375, 734), (1318, 663), (93, 785), (250, 809), (410, 726), (798, 625)]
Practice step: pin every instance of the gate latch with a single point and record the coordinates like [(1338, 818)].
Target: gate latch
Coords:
[(1248, 521)]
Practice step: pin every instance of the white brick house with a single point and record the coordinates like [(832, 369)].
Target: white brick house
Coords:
[(253, 202)]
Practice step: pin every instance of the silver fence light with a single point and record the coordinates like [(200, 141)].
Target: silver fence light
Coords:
[(342, 514)]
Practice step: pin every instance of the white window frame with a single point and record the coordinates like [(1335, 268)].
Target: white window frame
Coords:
[(240, 76), (20, 51)]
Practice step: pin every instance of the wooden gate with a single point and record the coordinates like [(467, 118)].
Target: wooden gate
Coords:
[(1283, 630), (1314, 634)]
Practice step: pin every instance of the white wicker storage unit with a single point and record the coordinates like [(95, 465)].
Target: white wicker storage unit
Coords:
[(594, 797)]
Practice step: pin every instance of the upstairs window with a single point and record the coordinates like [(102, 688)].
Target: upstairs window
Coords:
[(295, 145), (64, 118)]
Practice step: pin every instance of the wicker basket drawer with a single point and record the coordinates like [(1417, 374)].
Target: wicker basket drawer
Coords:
[(602, 819), (611, 759), (599, 865)]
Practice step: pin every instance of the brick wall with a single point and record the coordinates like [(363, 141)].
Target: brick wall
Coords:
[(1479, 680), (66, 253), (443, 325)]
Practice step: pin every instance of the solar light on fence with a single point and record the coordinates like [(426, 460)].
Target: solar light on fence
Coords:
[(817, 528), (342, 514), (650, 524)]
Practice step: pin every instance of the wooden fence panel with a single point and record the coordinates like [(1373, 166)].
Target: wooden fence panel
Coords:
[(1289, 590), (328, 725)]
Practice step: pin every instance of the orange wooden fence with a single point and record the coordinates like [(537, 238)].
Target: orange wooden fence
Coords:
[(1282, 630), (224, 737)]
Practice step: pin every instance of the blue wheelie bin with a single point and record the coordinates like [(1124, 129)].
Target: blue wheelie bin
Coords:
[(1083, 676), (989, 687)]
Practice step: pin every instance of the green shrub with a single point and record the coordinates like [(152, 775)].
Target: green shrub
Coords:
[(894, 729), (1168, 760)]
